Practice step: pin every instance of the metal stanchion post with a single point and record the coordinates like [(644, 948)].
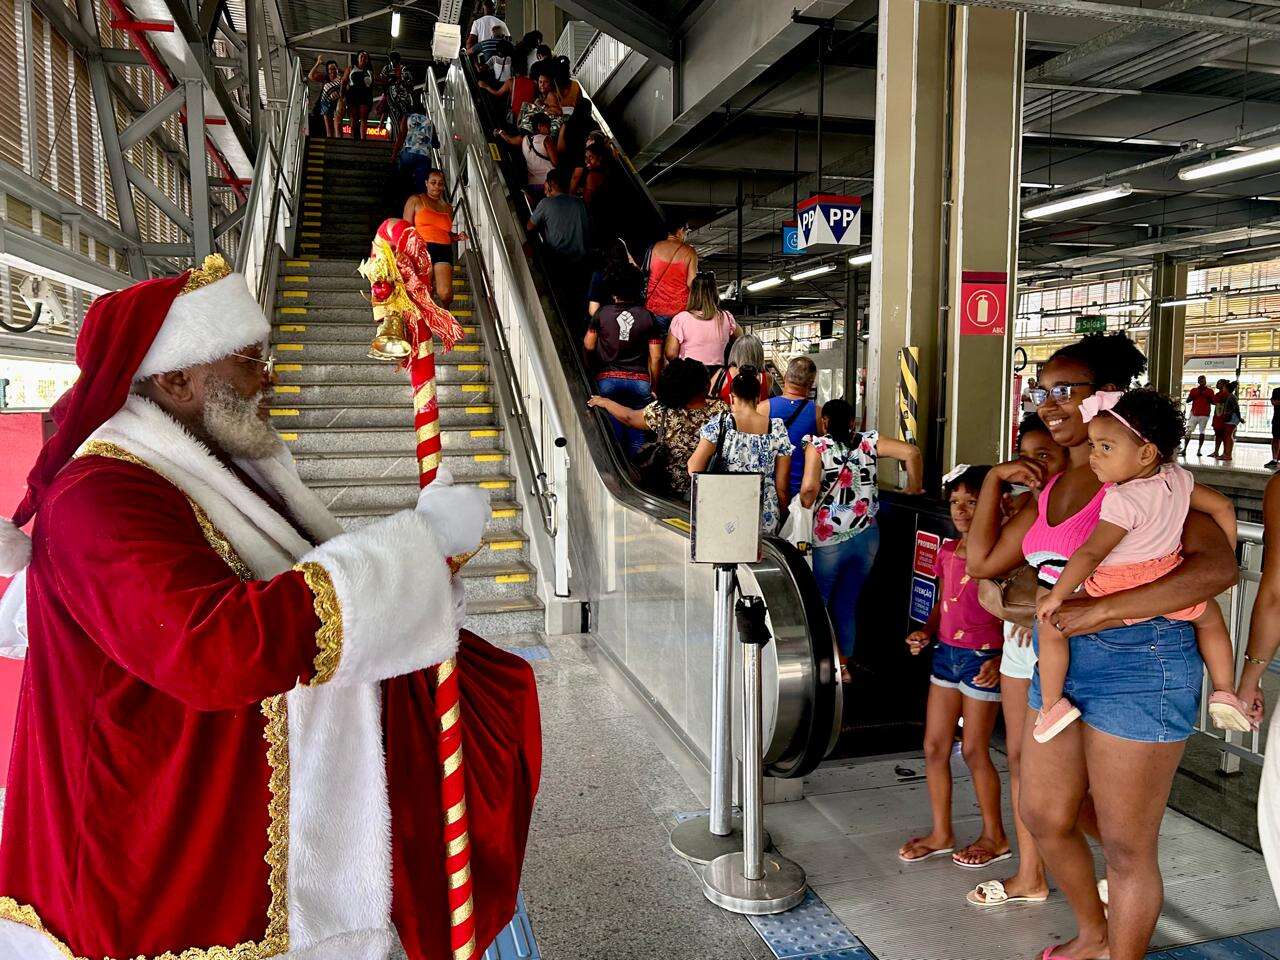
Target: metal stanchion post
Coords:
[(753, 882), (704, 838)]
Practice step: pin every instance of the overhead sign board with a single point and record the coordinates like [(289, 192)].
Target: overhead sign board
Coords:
[(1091, 323), (983, 303), (791, 239), (829, 218)]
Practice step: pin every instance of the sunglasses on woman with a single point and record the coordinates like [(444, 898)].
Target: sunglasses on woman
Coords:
[(1059, 391)]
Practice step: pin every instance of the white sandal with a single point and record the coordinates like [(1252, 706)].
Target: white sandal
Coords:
[(991, 893)]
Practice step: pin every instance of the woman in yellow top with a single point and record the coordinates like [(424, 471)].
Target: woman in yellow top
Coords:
[(432, 216)]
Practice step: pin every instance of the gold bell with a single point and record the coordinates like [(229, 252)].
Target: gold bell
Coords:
[(389, 343)]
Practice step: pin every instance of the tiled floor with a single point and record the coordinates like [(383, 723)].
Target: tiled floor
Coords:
[(1245, 456)]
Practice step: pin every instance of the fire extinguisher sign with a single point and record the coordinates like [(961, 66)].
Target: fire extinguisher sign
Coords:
[(983, 303)]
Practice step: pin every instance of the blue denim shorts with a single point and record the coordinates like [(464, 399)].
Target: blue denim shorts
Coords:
[(956, 668), (1139, 682)]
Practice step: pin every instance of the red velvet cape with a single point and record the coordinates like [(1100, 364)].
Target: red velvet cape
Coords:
[(136, 819)]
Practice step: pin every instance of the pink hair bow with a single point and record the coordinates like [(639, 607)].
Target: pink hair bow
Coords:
[(1104, 401)]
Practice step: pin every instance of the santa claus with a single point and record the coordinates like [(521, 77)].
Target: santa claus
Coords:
[(226, 743)]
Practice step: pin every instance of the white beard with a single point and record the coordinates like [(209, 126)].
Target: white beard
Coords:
[(232, 422)]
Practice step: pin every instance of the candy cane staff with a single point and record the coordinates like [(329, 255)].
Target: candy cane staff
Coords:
[(210, 749)]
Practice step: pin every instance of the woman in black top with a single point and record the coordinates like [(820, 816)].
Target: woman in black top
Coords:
[(358, 85)]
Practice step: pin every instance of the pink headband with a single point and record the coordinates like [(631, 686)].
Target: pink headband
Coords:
[(1104, 401)]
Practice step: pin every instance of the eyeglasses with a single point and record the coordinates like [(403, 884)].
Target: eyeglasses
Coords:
[(1059, 391), (269, 364)]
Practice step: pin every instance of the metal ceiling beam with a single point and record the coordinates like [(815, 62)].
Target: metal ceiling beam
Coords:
[(350, 21), (333, 46), (624, 21), (149, 121), (669, 104), (1115, 13), (158, 197)]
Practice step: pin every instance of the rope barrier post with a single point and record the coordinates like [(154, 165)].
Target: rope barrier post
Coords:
[(753, 882), (704, 838)]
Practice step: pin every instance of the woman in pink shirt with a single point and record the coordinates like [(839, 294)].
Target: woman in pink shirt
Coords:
[(702, 331)]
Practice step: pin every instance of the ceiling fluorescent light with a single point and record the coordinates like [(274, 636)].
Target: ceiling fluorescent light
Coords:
[(813, 272), (764, 284), (395, 23), (860, 260), (1184, 301), (1087, 199), (1237, 161), (1117, 308)]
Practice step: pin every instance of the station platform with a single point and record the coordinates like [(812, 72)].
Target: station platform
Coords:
[(600, 880)]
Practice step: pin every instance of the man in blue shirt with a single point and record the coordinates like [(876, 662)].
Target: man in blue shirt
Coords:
[(797, 410)]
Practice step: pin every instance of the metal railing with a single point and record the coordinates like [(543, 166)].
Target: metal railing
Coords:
[(272, 205), (521, 366), (599, 57), (1238, 746)]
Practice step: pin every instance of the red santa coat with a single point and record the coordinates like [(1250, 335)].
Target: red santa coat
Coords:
[(199, 757)]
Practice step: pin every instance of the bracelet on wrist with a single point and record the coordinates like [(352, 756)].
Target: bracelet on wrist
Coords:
[(1261, 663)]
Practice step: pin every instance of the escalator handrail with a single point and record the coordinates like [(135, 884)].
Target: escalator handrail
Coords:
[(619, 479)]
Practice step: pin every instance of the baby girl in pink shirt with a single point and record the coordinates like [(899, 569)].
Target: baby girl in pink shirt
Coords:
[(1135, 437)]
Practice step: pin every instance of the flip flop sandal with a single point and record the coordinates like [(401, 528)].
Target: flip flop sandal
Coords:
[(992, 894), (995, 858), (927, 856)]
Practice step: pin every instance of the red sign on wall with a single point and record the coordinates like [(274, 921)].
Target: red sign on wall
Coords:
[(983, 303), (926, 553)]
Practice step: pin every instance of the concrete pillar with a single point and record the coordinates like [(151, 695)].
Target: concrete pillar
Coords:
[(986, 170), (906, 205), (947, 169), (1168, 327)]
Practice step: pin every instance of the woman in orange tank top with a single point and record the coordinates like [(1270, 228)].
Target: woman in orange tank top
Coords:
[(432, 216)]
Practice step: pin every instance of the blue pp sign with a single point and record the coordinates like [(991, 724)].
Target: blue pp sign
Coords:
[(831, 219), (923, 593), (791, 241)]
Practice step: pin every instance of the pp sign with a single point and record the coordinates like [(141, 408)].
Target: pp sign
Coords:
[(829, 219)]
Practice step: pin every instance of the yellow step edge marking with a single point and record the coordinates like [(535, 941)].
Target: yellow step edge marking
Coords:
[(283, 413), (470, 367), (304, 264), (506, 545), (678, 523), (296, 294), (288, 368), (285, 388), (467, 347), (293, 311), (314, 234), (482, 433), (494, 484), (462, 313), (505, 513), (288, 437), (296, 278), (466, 387), (289, 347), (311, 246), (488, 457), (293, 328), (511, 578)]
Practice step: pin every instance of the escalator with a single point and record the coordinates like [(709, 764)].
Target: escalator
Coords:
[(651, 608)]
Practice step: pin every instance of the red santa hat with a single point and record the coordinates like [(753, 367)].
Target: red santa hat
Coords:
[(155, 326)]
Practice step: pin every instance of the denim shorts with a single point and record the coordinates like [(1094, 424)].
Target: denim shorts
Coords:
[(1139, 682), (956, 667)]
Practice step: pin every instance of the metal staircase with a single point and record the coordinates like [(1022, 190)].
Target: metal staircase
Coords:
[(349, 419)]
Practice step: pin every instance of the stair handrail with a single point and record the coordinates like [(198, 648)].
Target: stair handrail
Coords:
[(271, 206), (548, 491)]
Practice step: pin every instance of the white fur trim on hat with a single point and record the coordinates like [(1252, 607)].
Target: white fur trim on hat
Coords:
[(206, 325), (15, 549)]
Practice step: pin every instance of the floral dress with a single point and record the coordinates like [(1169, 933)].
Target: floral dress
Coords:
[(678, 431), (753, 453), (848, 501)]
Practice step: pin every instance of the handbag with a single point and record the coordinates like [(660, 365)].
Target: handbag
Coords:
[(653, 460), (1012, 597), (797, 530), (716, 463)]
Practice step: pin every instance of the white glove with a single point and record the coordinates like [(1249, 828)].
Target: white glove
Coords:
[(459, 600), (458, 515)]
